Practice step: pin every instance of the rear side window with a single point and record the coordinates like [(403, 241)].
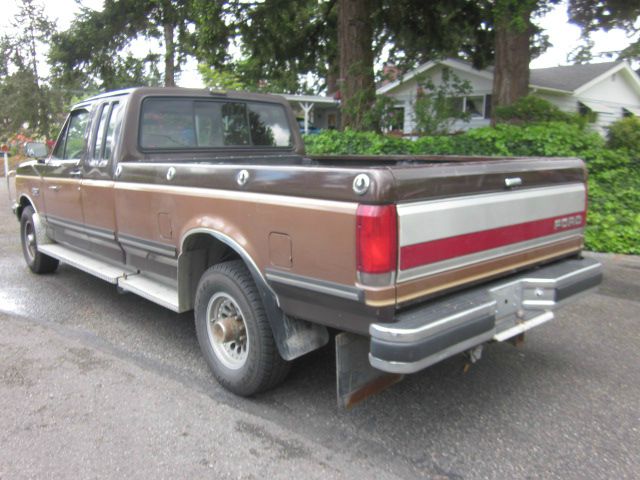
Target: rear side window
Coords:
[(104, 138), (97, 148), (110, 137), (168, 123)]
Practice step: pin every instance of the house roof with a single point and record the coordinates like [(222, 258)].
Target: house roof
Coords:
[(315, 99), (449, 62), (564, 79), (569, 77)]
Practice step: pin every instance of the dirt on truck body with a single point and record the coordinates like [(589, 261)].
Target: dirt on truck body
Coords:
[(206, 201)]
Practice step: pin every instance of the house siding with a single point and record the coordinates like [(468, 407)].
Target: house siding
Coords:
[(613, 93), (406, 94)]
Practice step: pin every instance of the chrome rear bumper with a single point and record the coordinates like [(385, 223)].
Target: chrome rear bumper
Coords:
[(427, 334)]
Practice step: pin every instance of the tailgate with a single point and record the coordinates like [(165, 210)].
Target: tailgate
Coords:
[(448, 242)]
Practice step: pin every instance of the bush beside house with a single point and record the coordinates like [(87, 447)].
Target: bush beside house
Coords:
[(613, 222)]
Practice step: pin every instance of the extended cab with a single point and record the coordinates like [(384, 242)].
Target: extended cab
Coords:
[(206, 201)]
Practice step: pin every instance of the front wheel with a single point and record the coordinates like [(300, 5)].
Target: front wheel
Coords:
[(37, 261), (234, 332)]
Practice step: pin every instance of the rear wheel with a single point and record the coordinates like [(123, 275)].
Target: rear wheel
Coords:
[(234, 332), (38, 262)]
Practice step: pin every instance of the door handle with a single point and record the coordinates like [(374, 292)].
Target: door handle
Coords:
[(75, 173), (55, 188)]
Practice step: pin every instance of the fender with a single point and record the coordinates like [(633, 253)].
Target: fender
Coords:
[(38, 224), (294, 337)]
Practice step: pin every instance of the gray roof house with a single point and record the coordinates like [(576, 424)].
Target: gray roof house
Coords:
[(610, 90)]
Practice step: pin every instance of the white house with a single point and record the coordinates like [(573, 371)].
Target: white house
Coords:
[(609, 90)]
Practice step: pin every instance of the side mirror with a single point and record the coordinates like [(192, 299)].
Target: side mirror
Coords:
[(36, 150)]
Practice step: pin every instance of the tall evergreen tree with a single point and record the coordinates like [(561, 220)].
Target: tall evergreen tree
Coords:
[(25, 92), (96, 39)]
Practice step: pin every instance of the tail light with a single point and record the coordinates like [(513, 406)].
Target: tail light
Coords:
[(377, 239)]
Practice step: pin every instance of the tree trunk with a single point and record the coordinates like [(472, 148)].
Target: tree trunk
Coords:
[(333, 77), (42, 108), (513, 32), (356, 82), (169, 56)]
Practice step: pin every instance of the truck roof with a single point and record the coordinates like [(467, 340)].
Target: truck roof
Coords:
[(187, 92)]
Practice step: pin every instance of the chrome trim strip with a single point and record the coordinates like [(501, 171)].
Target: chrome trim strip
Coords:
[(92, 182), (432, 220), (78, 227), (243, 196), (53, 179), (473, 278), (328, 288), (485, 255), (147, 245)]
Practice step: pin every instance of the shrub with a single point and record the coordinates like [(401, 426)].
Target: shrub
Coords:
[(351, 142), (439, 106), (614, 181), (625, 133), (532, 109)]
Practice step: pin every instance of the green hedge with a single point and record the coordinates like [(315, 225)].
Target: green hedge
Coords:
[(614, 181)]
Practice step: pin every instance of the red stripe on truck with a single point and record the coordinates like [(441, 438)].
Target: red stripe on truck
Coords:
[(412, 256)]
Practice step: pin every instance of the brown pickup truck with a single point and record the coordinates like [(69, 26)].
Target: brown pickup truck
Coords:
[(205, 201)]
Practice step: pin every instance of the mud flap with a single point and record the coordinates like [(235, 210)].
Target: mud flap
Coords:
[(295, 337), (356, 378)]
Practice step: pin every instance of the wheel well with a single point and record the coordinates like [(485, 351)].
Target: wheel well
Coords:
[(199, 252), (22, 204)]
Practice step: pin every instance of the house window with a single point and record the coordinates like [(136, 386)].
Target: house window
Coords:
[(396, 122), (585, 111), (474, 106), (477, 106)]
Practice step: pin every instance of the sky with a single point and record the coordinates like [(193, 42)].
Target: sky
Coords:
[(563, 36)]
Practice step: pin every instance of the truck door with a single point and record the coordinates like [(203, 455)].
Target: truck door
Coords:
[(61, 181), (98, 199)]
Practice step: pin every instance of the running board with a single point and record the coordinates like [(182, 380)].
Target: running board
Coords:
[(125, 278), (103, 270), (158, 292)]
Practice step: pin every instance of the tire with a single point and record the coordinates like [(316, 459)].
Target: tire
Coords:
[(38, 262), (234, 333)]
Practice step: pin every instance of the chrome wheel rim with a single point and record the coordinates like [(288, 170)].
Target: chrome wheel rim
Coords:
[(227, 331), (30, 240)]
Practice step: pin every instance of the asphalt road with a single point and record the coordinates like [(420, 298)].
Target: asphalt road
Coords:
[(94, 384)]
